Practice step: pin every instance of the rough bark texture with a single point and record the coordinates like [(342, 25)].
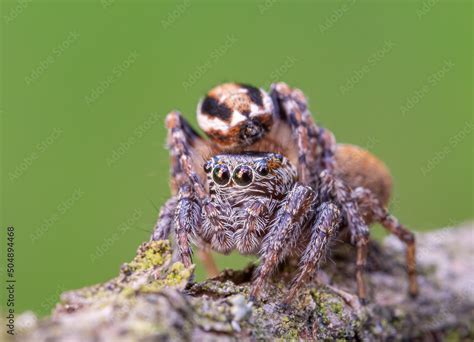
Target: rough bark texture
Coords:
[(152, 299)]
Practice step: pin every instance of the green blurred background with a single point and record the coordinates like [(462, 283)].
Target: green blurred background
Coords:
[(86, 86)]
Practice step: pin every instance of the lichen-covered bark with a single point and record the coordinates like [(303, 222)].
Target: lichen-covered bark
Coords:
[(152, 299)]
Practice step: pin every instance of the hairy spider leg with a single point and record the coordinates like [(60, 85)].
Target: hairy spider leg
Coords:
[(164, 224), (310, 138), (323, 231), (335, 188), (370, 204), (187, 205), (283, 235), (290, 109)]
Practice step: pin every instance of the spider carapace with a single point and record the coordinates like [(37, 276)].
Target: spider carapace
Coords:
[(271, 182)]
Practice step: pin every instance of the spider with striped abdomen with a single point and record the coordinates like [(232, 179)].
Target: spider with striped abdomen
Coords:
[(271, 182)]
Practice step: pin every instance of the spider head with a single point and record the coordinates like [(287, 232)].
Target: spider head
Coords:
[(266, 173), (235, 115)]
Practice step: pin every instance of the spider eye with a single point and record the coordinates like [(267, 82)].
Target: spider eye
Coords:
[(243, 175), (207, 166), (262, 169), (221, 174), (278, 157)]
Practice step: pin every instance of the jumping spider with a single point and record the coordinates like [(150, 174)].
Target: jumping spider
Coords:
[(271, 182)]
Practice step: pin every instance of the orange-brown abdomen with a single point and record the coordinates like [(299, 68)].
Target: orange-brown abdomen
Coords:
[(358, 167)]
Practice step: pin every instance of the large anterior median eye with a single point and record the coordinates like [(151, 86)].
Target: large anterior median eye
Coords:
[(221, 174), (243, 175)]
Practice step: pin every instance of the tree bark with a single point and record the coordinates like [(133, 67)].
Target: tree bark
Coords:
[(153, 299)]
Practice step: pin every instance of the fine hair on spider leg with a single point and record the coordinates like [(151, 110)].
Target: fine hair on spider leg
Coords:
[(323, 231), (292, 217), (371, 205)]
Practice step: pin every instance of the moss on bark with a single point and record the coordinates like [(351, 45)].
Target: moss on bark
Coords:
[(152, 298)]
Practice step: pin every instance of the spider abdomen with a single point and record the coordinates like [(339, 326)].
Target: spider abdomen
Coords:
[(360, 168)]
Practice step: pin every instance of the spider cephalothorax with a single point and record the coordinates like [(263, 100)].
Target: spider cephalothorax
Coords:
[(235, 114), (288, 197), (244, 192)]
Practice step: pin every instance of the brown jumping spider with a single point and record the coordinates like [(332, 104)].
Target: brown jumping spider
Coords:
[(271, 182)]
